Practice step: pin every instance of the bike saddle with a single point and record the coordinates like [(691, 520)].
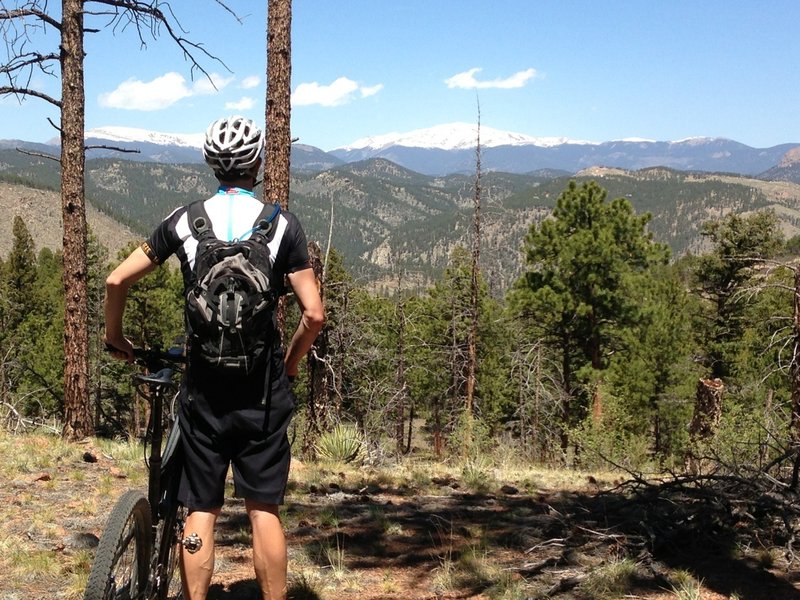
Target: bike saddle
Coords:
[(164, 377)]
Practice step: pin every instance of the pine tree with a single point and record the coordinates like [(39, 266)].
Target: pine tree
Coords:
[(42, 340), (20, 276), (739, 246), (649, 372), (573, 293)]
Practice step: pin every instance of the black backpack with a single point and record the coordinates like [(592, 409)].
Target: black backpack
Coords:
[(230, 302)]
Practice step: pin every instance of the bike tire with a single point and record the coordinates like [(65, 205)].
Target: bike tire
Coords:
[(122, 561)]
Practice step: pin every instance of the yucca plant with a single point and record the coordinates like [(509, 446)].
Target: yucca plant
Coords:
[(341, 444)]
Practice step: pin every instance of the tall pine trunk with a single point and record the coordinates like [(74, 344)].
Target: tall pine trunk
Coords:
[(278, 116), (279, 76), (77, 410)]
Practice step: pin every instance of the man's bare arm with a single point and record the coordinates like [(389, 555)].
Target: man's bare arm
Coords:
[(305, 289), (131, 270)]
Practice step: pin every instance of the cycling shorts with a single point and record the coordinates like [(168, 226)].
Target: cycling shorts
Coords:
[(232, 422)]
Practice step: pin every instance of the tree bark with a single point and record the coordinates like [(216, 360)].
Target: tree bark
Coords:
[(707, 409), (278, 129), (77, 409), (705, 420), (278, 117)]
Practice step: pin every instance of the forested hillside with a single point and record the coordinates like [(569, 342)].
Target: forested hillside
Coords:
[(576, 284), (382, 217)]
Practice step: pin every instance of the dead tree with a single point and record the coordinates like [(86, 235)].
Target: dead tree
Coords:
[(17, 27), (794, 379), (794, 365), (472, 335), (77, 407), (319, 378), (401, 396), (705, 420)]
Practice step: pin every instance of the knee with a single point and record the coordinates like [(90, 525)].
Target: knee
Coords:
[(261, 510), (202, 519)]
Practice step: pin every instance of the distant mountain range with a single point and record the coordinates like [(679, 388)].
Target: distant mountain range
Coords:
[(450, 149)]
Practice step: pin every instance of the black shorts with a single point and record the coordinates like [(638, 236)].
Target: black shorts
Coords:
[(230, 421)]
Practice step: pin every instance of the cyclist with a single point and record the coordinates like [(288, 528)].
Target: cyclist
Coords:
[(231, 420)]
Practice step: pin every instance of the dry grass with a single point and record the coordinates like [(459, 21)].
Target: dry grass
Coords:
[(411, 529), (50, 492)]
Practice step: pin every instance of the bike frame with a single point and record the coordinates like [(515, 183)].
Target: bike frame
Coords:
[(137, 551), (157, 383)]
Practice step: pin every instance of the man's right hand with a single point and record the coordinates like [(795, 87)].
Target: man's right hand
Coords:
[(121, 349)]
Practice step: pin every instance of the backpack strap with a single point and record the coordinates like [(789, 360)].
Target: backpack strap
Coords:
[(199, 223), (266, 219)]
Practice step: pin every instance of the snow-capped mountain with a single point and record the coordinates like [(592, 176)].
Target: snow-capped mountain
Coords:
[(132, 134), (454, 136), (451, 149)]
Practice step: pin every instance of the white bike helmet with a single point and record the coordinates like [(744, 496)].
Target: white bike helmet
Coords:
[(233, 145)]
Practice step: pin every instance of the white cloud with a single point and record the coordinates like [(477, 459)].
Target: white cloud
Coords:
[(133, 94), (205, 87), (467, 80), (366, 92), (250, 82), (341, 91), (160, 93), (246, 103)]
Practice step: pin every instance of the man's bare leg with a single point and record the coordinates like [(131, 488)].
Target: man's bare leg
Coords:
[(197, 568), (269, 549)]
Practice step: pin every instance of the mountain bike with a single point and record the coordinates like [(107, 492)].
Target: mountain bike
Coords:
[(137, 557)]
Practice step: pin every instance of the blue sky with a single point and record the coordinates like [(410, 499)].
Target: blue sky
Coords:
[(583, 69)]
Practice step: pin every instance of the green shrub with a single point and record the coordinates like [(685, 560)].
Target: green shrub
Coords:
[(341, 444)]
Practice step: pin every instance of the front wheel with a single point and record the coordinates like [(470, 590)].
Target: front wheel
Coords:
[(121, 563)]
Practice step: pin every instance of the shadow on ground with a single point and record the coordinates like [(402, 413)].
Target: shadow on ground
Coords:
[(549, 541)]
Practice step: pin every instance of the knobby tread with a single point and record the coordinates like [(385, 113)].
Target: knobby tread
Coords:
[(133, 505)]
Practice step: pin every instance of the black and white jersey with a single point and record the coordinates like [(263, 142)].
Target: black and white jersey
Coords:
[(232, 213)]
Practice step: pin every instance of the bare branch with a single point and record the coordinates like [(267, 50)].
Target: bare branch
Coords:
[(27, 60), (115, 148), (145, 16), (38, 154), (21, 13), (21, 91), (226, 8)]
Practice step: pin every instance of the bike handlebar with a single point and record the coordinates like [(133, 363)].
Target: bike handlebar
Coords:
[(153, 359)]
